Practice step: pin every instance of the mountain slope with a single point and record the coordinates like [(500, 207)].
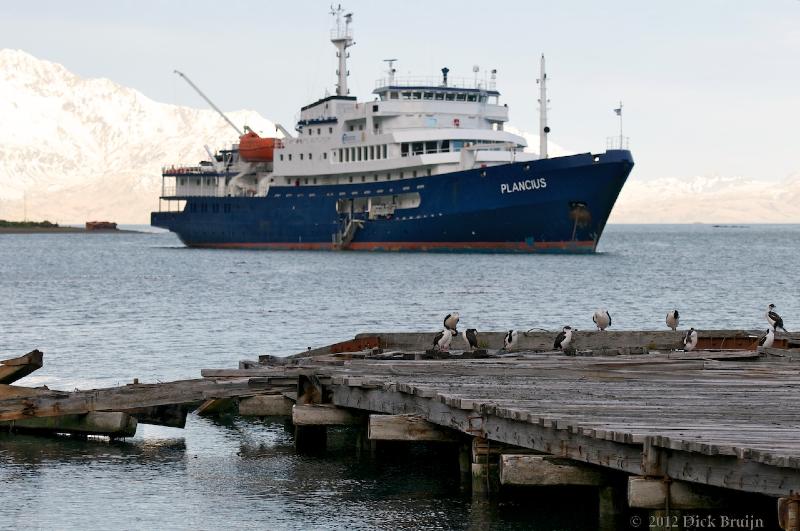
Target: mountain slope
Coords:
[(90, 148)]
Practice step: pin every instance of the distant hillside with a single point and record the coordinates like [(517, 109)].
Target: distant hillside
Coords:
[(82, 149)]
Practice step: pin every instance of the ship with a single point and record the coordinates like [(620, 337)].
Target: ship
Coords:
[(426, 165)]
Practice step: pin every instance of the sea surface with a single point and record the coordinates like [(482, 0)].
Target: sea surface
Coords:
[(107, 308)]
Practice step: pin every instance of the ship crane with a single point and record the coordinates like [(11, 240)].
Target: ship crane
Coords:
[(197, 89)]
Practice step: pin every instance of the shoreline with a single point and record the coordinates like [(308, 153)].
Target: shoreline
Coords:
[(63, 230)]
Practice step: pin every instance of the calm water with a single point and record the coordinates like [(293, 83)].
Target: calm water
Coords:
[(108, 308)]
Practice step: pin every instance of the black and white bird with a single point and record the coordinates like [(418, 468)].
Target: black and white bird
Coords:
[(602, 319), (510, 341), (563, 339), (673, 318), (470, 336), (767, 339), (442, 340), (774, 319), (690, 340), (451, 322)]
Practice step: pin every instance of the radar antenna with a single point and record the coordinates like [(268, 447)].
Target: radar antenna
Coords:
[(391, 70)]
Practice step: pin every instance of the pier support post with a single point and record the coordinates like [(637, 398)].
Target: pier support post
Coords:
[(484, 467), (789, 513), (465, 464), (549, 470), (311, 424)]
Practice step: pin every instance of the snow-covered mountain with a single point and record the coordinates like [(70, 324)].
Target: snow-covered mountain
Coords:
[(78, 149), (708, 200)]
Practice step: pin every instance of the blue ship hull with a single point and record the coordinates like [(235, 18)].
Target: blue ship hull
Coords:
[(552, 205)]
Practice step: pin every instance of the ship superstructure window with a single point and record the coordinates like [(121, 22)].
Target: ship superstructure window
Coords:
[(372, 153), (393, 95), (310, 156), (340, 154), (330, 130), (290, 156), (301, 156), (404, 149), (439, 96), (310, 131), (281, 156), (325, 155), (319, 131), (384, 151)]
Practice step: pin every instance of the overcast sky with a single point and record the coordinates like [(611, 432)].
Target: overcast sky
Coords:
[(710, 87)]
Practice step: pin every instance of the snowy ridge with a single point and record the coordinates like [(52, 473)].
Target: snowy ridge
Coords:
[(64, 139), (708, 200)]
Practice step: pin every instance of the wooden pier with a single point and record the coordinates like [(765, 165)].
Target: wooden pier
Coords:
[(649, 428)]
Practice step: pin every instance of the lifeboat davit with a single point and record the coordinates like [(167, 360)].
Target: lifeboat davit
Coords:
[(253, 148)]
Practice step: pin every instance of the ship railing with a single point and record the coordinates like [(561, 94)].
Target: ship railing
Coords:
[(342, 33), (433, 81), (617, 142), (190, 170)]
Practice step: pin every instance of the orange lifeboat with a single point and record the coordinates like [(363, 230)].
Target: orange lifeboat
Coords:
[(253, 148)]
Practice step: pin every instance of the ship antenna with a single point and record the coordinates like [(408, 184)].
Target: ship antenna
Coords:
[(197, 89), (342, 38), (391, 70), (544, 130)]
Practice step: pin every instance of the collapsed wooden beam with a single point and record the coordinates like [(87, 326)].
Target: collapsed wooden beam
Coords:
[(546, 470), (13, 369), (109, 423), (324, 415), (656, 493), (171, 415), (407, 428), (55, 403)]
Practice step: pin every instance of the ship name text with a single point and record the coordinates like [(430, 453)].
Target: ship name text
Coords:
[(522, 186)]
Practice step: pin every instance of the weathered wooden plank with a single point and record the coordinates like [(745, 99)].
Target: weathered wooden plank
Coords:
[(14, 369), (324, 415), (652, 493), (265, 406), (540, 470), (407, 428), (112, 424)]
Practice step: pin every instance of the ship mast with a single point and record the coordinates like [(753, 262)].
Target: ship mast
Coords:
[(543, 128), (342, 38)]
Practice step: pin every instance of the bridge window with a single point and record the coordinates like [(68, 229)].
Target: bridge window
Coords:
[(393, 95), (315, 180), (330, 130), (340, 154), (310, 131), (404, 149), (384, 151), (428, 96), (445, 145), (449, 96), (376, 178), (281, 156), (439, 95), (372, 153), (290, 156), (301, 156), (461, 97), (406, 95), (325, 155), (350, 178), (416, 96), (319, 131), (310, 156), (430, 147), (416, 148), (471, 97), (415, 173)]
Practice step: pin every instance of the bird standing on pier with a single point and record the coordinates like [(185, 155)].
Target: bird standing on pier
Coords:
[(767, 339), (602, 319), (510, 341), (471, 338), (442, 340), (690, 340), (563, 339), (673, 318), (774, 319), (451, 322)]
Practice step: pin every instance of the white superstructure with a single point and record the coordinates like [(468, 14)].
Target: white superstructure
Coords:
[(414, 127)]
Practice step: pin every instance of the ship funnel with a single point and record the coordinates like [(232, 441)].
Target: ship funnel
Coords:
[(445, 70)]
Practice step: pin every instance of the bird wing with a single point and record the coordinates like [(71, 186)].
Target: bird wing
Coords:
[(559, 338), (594, 318), (777, 318), (609, 318)]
